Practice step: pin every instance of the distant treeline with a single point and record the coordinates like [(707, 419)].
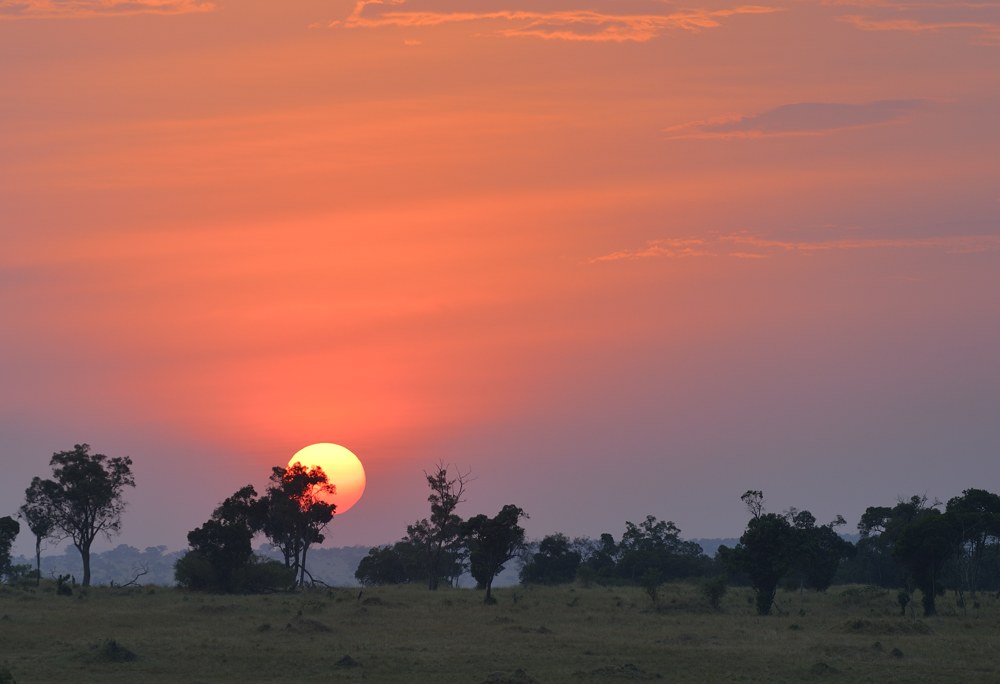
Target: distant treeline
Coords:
[(913, 545)]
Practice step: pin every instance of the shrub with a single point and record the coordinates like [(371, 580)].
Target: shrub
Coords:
[(713, 589)]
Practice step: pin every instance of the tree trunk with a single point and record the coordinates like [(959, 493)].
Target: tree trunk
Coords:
[(38, 560), (85, 556), (302, 568), (489, 593)]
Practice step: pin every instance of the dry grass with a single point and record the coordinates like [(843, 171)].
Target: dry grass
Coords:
[(565, 634)]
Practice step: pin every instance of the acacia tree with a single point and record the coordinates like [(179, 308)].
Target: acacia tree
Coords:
[(85, 497), (37, 512), (294, 514), (492, 542), (440, 537)]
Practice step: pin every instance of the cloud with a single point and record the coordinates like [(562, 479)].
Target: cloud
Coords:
[(804, 118), (548, 24), (78, 9), (749, 246), (981, 18)]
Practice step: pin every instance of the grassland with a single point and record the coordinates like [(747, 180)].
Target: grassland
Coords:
[(562, 634)]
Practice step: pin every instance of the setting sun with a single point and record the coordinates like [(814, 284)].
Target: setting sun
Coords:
[(340, 465)]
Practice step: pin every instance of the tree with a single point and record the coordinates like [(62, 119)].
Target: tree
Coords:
[(221, 557), (765, 554), (221, 548), (399, 563), (819, 550), (37, 511), (492, 542), (656, 545), (294, 514), (440, 537), (924, 546), (9, 529), (977, 514), (85, 497), (555, 562), (921, 539)]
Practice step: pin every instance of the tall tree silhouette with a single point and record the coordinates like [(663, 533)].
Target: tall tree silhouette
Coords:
[(440, 537), (294, 515), (37, 511), (85, 497), (492, 542)]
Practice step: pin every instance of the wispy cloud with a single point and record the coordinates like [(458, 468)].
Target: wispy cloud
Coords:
[(78, 9), (750, 246), (804, 118), (981, 19), (564, 24)]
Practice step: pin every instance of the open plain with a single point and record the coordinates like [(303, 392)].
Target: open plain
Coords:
[(537, 634)]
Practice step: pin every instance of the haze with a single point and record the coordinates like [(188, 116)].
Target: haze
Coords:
[(617, 257)]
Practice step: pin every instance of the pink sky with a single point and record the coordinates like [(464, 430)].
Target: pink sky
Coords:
[(618, 258)]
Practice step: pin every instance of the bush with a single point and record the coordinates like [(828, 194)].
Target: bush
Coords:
[(713, 589), (195, 571)]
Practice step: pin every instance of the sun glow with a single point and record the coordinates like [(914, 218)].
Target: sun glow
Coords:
[(341, 466)]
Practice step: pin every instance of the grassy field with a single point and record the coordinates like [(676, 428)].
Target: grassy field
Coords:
[(563, 634)]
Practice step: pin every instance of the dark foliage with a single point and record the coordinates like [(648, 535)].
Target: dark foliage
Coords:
[(84, 498), (492, 542), (555, 562)]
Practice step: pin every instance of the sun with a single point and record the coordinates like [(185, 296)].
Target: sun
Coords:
[(341, 466)]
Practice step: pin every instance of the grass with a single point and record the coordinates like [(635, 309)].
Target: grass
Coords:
[(541, 634)]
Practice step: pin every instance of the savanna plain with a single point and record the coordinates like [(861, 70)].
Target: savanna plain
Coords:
[(571, 633)]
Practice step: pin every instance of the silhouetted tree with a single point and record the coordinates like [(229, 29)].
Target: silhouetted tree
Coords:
[(555, 562), (294, 515), (399, 563), (221, 548), (492, 542), (656, 545), (85, 497), (921, 538), (440, 536), (924, 546), (977, 515), (764, 553), (9, 529), (37, 511), (818, 550), (600, 557)]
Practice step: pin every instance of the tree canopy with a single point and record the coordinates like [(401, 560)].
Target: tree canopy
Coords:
[(84, 498)]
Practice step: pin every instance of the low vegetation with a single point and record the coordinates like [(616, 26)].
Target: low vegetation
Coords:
[(564, 633)]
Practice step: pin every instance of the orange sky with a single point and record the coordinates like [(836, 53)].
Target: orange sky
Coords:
[(619, 257)]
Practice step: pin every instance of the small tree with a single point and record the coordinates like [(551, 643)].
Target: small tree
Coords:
[(37, 511), (440, 537), (85, 497), (221, 548), (9, 529), (492, 542)]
